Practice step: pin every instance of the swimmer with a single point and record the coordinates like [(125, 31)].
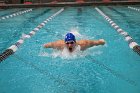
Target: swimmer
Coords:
[(70, 43)]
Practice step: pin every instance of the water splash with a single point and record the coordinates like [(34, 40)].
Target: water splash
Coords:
[(75, 31), (65, 54), (42, 52), (75, 54), (77, 34)]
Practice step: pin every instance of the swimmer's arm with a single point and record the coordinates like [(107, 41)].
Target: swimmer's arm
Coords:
[(96, 42), (49, 45), (90, 43), (55, 45)]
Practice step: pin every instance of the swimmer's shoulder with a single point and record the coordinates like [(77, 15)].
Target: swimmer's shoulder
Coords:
[(83, 44)]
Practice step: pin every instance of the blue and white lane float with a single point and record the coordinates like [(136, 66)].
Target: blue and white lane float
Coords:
[(133, 8), (12, 49), (16, 14), (132, 44)]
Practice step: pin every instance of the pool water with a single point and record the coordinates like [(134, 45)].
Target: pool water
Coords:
[(128, 19), (113, 67)]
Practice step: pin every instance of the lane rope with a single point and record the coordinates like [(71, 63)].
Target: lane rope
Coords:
[(132, 44), (12, 49), (15, 14), (133, 8)]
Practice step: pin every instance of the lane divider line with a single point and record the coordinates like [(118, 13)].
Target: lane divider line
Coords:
[(133, 8), (132, 44), (16, 14), (12, 49)]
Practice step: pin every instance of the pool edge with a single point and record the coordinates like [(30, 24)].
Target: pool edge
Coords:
[(62, 4)]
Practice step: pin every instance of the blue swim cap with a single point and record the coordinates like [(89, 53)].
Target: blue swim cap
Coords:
[(70, 37)]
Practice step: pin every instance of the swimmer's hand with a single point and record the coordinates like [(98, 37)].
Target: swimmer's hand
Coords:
[(44, 45), (102, 41), (48, 45)]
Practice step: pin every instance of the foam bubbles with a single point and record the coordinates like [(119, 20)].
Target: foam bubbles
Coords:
[(65, 54), (75, 31)]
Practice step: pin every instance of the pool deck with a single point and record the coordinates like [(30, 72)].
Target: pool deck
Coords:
[(62, 4)]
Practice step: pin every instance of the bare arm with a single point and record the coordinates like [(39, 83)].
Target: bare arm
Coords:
[(49, 45), (57, 44), (96, 42), (90, 43)]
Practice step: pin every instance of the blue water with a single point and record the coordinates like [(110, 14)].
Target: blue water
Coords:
[(113, 67), (128, 19)]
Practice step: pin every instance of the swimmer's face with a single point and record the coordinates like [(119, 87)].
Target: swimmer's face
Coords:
[(70, 45)]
